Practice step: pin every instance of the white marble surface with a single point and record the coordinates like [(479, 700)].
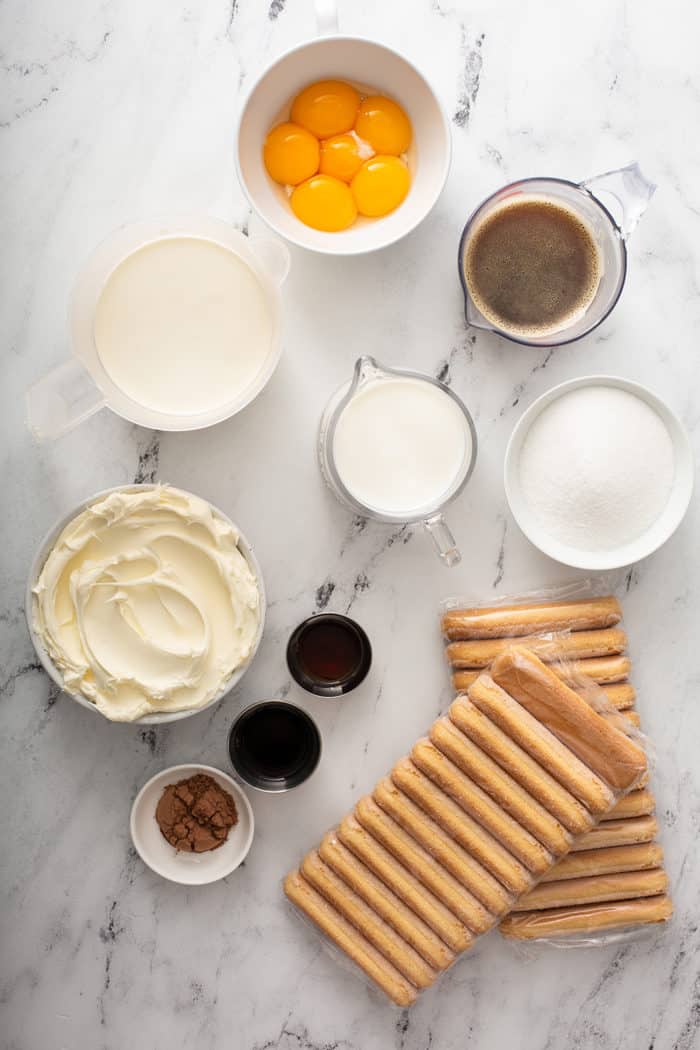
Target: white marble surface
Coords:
[(121, 109)]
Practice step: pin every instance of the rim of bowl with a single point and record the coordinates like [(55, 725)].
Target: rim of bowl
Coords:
[(196, 767), (39, 559), (598, 560), (386, 242)]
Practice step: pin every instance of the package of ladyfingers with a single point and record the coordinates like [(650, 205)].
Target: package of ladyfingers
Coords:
[(612, 884), (503, 787)]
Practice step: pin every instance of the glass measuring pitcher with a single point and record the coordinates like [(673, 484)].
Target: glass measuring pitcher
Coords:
[(397, 446), (630, 192), (83, 384)]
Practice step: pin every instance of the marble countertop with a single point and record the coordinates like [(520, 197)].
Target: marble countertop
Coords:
[(123, 110)]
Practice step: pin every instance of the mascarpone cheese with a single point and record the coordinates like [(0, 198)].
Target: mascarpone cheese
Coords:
[(145, 603)]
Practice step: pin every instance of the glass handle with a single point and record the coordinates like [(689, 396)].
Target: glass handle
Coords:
[(273, 256), (443, 539), (61, 400), (326, 17), (630, 188)]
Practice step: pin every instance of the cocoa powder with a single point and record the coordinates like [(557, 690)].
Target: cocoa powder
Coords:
[(196, 814)]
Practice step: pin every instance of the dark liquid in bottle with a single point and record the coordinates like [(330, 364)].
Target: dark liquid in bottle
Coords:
[(329, 651), (275, 742), (532, 267)]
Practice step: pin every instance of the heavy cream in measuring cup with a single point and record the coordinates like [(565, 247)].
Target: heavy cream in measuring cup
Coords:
[(401, 446), (183, 325)]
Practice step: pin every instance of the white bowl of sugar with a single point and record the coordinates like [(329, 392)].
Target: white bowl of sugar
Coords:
[(598, 472)]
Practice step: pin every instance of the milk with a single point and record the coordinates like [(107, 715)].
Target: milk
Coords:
[(183, 325), (401, 446)]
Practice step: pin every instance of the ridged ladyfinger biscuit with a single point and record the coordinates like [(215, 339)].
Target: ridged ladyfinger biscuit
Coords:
[(594, 889), (511, 757), (501, 787), (404, 884), (580, 645), (437, 879), (543, 747), (606, 861), (481, 806), (588, 918), (615, 758), (618, 833), (510, 621), (384, 902), (636, 804), (440, 845), (405, 958), (350, 940), (464, 829)]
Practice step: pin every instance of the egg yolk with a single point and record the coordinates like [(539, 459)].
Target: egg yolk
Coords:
[(340, 157), (324, 203), (326, 108), (291, 154), (383, 124), (380, 185)]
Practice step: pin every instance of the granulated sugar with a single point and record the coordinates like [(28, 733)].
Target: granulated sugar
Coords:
[(597, 468)]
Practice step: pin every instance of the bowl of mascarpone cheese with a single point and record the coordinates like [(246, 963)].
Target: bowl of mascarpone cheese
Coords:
[(145, 604)]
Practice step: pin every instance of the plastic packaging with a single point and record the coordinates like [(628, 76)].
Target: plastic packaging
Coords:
[(468, 824), (612, 886)]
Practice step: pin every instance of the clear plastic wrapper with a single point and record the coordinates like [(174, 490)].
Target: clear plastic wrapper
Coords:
[(472, 821), (612, 886)]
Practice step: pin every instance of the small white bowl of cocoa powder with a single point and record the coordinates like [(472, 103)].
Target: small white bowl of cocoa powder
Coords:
[(192, 824)]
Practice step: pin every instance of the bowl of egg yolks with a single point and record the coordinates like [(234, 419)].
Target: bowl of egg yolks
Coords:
[(342, 146)]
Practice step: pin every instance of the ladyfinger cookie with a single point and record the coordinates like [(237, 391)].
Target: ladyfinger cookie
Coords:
[(510, 756), (542, 746), (622, 720), (616, 759), (406, 959), (510, 621), (618, 833), (560, 922), (607, 672), (468, 871), (384, 902), (408, 852), (468, 757), (352, 942), (636, 804), (405, 884), (621, 695), (579, 645), (594, 889), (464, 829), (479, 805), (607, 861)]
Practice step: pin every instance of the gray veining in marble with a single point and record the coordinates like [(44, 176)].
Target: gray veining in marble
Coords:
[(120, 110)]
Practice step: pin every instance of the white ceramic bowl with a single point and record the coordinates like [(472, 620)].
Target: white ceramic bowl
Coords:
[(665, 525), (190, 869), (363, 62), (49, 666)]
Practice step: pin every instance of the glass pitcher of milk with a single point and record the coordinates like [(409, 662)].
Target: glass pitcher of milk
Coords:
[(174, 325), (397, 446)]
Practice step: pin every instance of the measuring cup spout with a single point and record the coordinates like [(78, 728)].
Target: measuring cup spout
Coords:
[(443, 539), (61, 400), (631, 190)]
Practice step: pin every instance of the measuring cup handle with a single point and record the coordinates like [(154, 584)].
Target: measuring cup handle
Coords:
[(61, 400), (443, 539), (630, 188), (326, 17)]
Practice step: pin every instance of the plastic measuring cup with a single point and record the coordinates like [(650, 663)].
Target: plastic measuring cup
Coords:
[(81, 386), (369, 371)]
